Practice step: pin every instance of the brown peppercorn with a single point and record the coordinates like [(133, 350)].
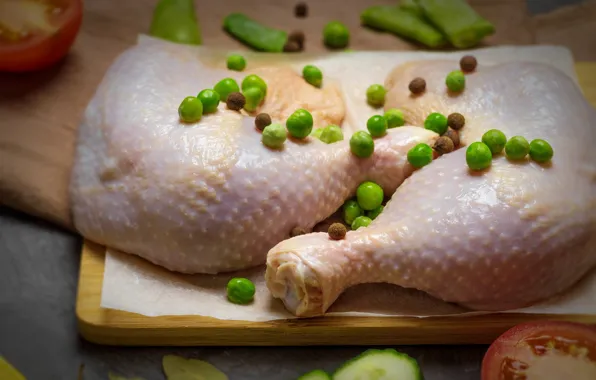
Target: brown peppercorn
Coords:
[(468, 63), (337, 231), (454, 136), (262, 120), (417, 86), (297, 231), (298, 37), (235, 101), (301, 10), (456, 121), (444, 145), (291, 46)]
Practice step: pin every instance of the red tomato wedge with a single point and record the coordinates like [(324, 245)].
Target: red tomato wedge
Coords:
[(37, 33), (543, 351)]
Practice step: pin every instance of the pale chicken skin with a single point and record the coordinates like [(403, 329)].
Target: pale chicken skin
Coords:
[(499, 239), (209, 197)]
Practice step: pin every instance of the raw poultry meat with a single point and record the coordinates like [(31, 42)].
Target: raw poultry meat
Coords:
[(499, 239), (210, 197)]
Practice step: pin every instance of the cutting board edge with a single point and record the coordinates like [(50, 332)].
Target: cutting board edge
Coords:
[(114, 327)]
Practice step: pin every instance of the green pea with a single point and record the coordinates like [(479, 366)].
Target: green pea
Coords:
[(478, 156), (456, 81), (362, 144), (436, 122), (377, 125), (361, 221), (300, 123), (541, 151), (225, 87), (210, 100), (190, 110), (517, 148), (395, 118), (351, 210), (375, 95), (236, 62), (312, 75), (420, 155), (336, 35), (316, 133), (254, 81), (254, 96), (240, 290), (374, 213), (274, 136), (369, 195), (332, 133), (495, 140)]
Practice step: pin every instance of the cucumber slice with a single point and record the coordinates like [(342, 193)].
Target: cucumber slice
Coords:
[(380, 365), (317, 374)]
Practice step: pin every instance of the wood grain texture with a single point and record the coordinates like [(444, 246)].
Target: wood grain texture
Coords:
[(114, 327), (40, 112)]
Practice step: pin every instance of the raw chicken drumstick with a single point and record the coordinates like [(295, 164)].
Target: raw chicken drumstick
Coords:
[(499, 239), (210, 197)]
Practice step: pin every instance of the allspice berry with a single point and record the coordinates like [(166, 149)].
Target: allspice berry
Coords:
[(301, 10), (417, 86), (297, 231), (444, 145), (298, 37), (291, 46), (456, 121), (453, 135), (337, 231), (262, 120), (236, 101), (468, 63)]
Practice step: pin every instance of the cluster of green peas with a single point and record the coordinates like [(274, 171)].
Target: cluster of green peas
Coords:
[(367, 205), (479, 154)]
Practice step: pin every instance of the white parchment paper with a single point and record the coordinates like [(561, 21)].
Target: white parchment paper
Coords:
[(135, 285)]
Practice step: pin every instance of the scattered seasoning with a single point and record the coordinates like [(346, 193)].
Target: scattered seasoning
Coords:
[(417, 86), (444, 145), (453, 135), (456, 121), (468, 63), (291, 46), (297, 231), (298, 37), (301, 10), (337, 231), (262, 120), (236, 101)]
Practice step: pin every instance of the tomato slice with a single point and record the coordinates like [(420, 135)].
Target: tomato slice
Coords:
[(545, 350), (37, 33)]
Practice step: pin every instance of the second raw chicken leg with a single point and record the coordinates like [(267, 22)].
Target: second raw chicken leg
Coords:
[(504, 238)]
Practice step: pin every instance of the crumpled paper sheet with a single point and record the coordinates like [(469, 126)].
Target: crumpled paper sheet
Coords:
[(135, 285)]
